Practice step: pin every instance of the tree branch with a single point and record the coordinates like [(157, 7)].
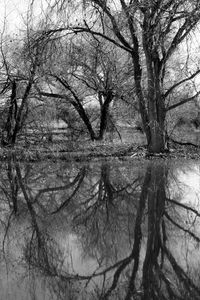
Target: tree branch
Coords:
[(182, 102), (190, 22), (114, 24), (180, 82), (84, 29)]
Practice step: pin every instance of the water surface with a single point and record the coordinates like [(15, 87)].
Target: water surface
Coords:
[(100, 230)]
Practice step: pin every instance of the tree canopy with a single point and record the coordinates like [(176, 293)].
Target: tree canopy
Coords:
[(118, 50), (150, 32)]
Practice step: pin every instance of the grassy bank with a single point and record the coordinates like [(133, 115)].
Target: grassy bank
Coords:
[(87, 150)]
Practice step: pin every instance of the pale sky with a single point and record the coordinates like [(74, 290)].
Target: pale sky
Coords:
[(14, 13)]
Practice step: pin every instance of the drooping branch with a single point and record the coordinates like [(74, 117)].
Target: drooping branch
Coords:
[(181, 274), (195, 237), (82, 29), (181, 82), (183, 102), (79, 178), (184, 206)]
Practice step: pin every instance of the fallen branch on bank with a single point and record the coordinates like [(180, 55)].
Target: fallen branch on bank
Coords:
[(184, 143)]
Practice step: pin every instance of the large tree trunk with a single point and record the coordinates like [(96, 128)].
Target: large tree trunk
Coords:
[(155, 100), (156, 133), (156, 116), (155, 122), (157, 140), (105, 115), (152, 111), (152, 108)]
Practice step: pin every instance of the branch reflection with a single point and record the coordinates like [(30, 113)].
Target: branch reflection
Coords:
[(102, 231)]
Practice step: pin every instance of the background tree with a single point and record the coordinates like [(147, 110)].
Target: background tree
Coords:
[(88, 75), (20, 66)]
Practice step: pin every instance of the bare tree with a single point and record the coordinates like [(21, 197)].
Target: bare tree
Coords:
[(88, 75), (20, 68), (151, 32)]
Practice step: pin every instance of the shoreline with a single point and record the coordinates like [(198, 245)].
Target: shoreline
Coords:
[(81, 152)]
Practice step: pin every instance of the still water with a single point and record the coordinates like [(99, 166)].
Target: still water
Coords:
[(100, 230)]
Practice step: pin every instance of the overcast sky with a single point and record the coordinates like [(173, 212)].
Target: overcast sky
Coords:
[(15, 13), (12, 11)]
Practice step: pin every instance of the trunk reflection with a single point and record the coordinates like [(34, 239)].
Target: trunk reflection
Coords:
[(102, 231)]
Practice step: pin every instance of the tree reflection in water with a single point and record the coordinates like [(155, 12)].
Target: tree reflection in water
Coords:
[(129, 238)]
